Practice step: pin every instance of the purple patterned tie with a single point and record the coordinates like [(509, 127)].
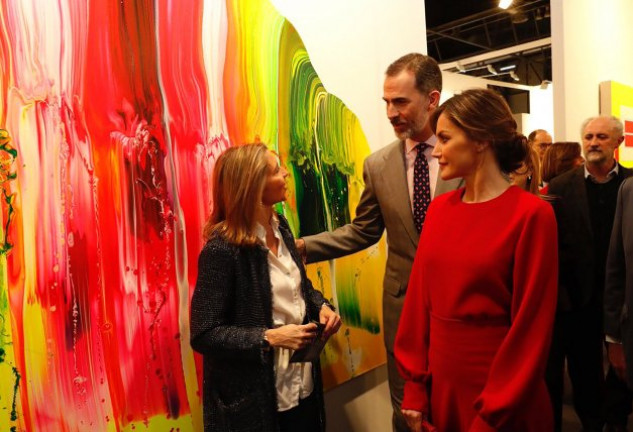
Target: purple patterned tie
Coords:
[(421, 187)]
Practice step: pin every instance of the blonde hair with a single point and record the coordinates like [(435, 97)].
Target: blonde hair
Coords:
[(239, 178)]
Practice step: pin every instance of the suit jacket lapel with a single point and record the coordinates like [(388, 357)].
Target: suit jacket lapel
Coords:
[(395, 177)]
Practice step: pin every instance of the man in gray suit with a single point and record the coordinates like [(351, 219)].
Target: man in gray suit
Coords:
[(618, 288), (411, 93)]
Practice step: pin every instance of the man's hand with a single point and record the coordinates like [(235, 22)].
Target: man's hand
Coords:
[(300, 244), (616, 358)]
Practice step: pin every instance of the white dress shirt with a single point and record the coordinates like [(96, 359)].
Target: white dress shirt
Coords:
[(410, 152), (613, 173), (293, 380)]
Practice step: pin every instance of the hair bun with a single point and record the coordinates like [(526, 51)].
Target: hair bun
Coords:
[(514, 153)]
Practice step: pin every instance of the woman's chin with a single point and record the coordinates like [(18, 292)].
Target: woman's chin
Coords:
[(446, 174)]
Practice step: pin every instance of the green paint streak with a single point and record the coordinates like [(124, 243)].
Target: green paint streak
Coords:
[(325, 148), (321, 144), (7, 157), (14, 413)]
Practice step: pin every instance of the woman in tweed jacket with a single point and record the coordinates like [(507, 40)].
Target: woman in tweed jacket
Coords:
[(253, 304)]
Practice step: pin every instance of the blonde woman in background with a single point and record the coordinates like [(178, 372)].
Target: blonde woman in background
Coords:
[(528, 176)]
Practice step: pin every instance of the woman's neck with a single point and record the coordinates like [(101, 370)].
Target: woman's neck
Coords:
[(264, 215), (486, 182), (264, 218)]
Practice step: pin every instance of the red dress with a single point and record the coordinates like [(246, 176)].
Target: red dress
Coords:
[(475, 330)]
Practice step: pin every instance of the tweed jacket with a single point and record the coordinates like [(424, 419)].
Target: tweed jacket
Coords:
[(231, 308)]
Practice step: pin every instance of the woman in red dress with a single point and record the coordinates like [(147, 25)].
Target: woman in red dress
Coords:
[(475, 330)]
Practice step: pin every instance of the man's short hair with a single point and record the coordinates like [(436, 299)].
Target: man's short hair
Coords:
[(428, 76), (532, 136), (616, 124)]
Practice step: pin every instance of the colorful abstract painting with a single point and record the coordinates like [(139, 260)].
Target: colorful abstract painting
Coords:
[(112, 115), (617, 99)]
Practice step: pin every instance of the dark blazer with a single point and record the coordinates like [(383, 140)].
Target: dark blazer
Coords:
[(231, 308), (384, 204), (618, 289), (575, 238)]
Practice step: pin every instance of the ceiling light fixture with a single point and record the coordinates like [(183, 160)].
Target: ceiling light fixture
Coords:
[(460, 67), (514, 76), (507, 68), (504, 4), (544, 84), (538, 15), (492, 69)]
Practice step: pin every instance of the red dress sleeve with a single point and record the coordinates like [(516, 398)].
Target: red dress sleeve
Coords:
[(519, 365), (412, 339)]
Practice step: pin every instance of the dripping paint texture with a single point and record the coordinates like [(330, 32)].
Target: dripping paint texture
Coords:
[(112, 115)]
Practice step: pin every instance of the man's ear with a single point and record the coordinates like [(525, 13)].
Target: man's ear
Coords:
[(434, 99), (620, 140)]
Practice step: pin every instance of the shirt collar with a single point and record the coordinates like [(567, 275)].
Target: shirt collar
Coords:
[(260, 231), (613, 173), (410, 144)]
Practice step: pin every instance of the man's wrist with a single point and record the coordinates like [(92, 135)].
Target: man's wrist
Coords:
[(301, 247)]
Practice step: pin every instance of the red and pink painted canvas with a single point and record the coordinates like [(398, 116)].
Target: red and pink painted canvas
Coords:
[(112, 114)]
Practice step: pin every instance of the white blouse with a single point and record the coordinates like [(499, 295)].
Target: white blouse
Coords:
[(293, 380)]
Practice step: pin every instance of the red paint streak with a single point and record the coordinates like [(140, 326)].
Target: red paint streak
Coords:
[(139, 293), (185, 94)]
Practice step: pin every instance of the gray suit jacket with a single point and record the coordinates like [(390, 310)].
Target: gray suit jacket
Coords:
[(618, 290), (384, 204)]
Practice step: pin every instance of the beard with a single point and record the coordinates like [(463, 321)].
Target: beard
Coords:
[(595, 157), (414, 129)]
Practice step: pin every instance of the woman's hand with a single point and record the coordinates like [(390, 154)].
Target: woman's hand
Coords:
[(332, 321), (417, 421), (291, 336)]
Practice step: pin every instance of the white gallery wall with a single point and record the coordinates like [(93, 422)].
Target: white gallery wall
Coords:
[(541, 114), (592, 41)]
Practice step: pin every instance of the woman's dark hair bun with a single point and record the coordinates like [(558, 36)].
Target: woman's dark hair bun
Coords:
[(512, 153)]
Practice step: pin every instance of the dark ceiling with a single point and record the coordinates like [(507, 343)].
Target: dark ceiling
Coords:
[(458, 30)]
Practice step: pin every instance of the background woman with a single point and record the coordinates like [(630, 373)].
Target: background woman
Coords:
[(475, 329), (253, 304), (559, 158), (528, 176)]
